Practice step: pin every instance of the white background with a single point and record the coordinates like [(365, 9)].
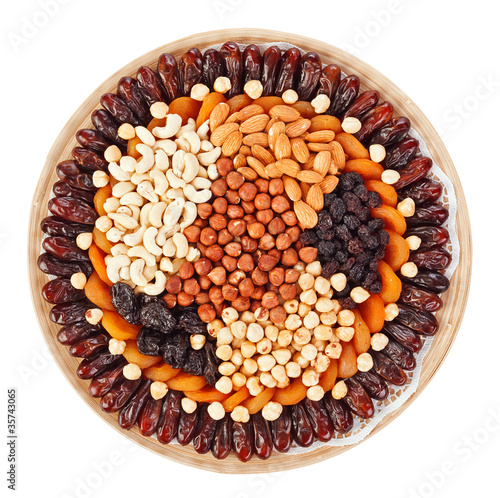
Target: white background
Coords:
[(444, 55)]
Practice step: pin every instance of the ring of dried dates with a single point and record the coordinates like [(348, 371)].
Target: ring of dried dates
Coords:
[(247, 248)]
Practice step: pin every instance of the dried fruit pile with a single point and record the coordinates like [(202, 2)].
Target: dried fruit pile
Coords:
[(247, 251)]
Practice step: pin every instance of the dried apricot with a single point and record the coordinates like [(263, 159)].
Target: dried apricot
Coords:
[(393, 219), (325, 122), (117, 327), (368, 170), (329, 377), (268, 103), (347, 363), (387, 192), (100, 197), (397, 251), (238, 102), (186, 382), (352, 146), (256, 403), (305, 108), (132, 147), (391, 284), (97, 258), (186, 107), (101, 241), (373, 313), (161, 372), (236, 399), (292, 394), (132, 355), (98, 292), (209, 102), (361, 339), (206, 395)]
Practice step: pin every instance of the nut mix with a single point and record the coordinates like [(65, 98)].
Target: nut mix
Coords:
[(263, 256)]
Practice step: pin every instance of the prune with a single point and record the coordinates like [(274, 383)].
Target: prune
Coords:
[(329, 81), (67, 313), (169, 419), (92, 139), (281, 431), (388, 370), (150, 342), (212, 68), (89, 346), (89, 160), (130, 93), (429, 236), (242, 441), (69, 172), (400, 154), (373, 384), (188, 423), (413, 171), (394, 131), (341, 415), (60, 290), (400, 355), (430, 214), (143, 299), (130, 412), (54, 266), (419, 298), (252, 63), (73, 209), (195, 362), (221, 445), (90, 367), (202, 441), (346, 94), (156, 316), (189, 321), (125, 302), (64, 248), (234, 67), (150, 86), (63, 189), (288, 71), (270, 69), (429, 280), (262, 440), (211, 370), (175, 349), (150, 416), (437, 258), (321, 423), (373, 120), (366, 101), (70, 334), (420, 321), (404, 335), (119, 394), (308, 76), (190, 70), (422, 192), (302, 431), (101, 384), (118, 109), (169, 76), (104, 122)]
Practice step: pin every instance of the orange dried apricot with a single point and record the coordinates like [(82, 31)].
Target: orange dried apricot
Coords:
[(268, 103), (329, 376), (373, 313), (161, 372), (206, 395), (361, 339), (97, 259), (98, 292), (132, 148), (132, 355), (117, 327), (161, 122), (291, 394), (186, 382), (387, 192), (368, 169), (305, 108), (325, 122), (347, 363), (393, 219), (186, 107), (391, 284), (256, 403), (352, 146), (236, 399), (397, 251), (100, 197), (209, 102), (101, 241)]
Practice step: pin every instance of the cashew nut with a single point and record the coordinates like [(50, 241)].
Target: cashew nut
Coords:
[(133, 239), (189, 214), (207, 158), (150, 243), (213, 172), (111, 204), (173, 212), (183, 144), (172, 126), (159, 285), (136, 272), (122, 188), (201, 183), (203, 130), (149, 272), (141, 252), (144, 218), (189, 126), (169, 248), (165, 232), (194, 141), (166, 264), (181, 244), (137, 178), (136, 212), (114, 266), (132, 199), (124, 220), (114, 234), (128, 163), (174, 181), (178, 163), (147, 190), (124, 273), (156, 214), (119, 249), (203, 173), (191, 167), (197, 196), (124, 210), (145, 136), (206, 146), (169, 146), (118, 173), (162, 161), (193, 254), (161, 182), (147, 160)]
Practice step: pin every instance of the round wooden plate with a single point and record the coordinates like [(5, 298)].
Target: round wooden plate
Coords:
[(450, 316)]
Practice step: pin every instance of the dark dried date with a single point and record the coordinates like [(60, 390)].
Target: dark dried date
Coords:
[(118, 109), (400, 355), (54, 226), (430, 281), (130, 93), (150, 416), (400, 154), (91, 367), (365, 101), (73, 209), (429, 236), (190, 70), (437, 258), (104, 122), (89, 159), (302, 430), (270, 69), (68, 313), (75, 332), (329, 81), (404, 335), (64, 248), (419, 298), (54, 266), (420, 321), (150, 86), (388, 370), (70, 172), (207, 426), (358, 400), (63, 189), (321, 423), (92, 139), (281, 431), (60, 291), (213, 67), (242, 440), (346, 94), (373, 120), (169, 420), (130, 411), (232, 56), (413, 171), (221, 445), (288, 71), (308, 75), (422, 192), (118, 395), (169, 76), (188, 423), (373, 384), (340, 414), (430, 214), (90, 346), (252, 63), (101, 384), (262, 440), (394, 131)]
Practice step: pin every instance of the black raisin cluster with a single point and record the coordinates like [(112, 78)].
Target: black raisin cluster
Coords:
[(167, 332), (348, 239)]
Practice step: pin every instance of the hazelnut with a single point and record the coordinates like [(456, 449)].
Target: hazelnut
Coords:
[(201, 222), (308, 254), (208, 236), (218, 276), (217, 221), (262, 201), (256, 230), (186, 270), (248, 244), (245, 263), (191, 286), (258, 292), (291, 275), (219, 187), (247, 191), (170, 300), (246, 287), (234, 180), (290, 218), (249, 217), (204, 281), (265, 216), (277, 315), (260, 276), (288, 291), (276, 187), (280, 204), (267, 262), (249, 208), (289, 257), (229, 263), (262, 185), (236, 277), (214, 252), (215, 294), (237, 227), (267, 242), (294, 233), (276, 276), (192, 233), (224, 237), (241, 303), (224, 166), (207, 313), (235, 212), (283, 241), (229, 292), (174, 285), (204, 210), (202, 298), (233, 249), (276, 226), (233, 197), (270, 300), (185, 299)]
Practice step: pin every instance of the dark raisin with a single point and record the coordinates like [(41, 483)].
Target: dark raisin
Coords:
[(343, 233), (355, 246), (125, 302), (351, 221), (195, 362), (211, 370), (156, 316), (150, 342), (326, 248), (325, 221), (374, 200), (362, 192), (337, 210), (347, 303), (308, 237), (330, 269)]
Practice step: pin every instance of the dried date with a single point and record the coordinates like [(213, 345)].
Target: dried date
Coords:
[(415, 170), (92, 139), (188, 422), (358, 400), (373, 120), (54, 226), (394, 131), (190, 70), (437, 258), (60, 291), (321, 423), (242, 441), (68, 313), (169, 75), (345, 95), (54, 266), (64, 248), (91, 367), (281, 431), (422, 192), (420, 321), (118, 109), (104, 122), (169, 420), (388, 370), (221, 445), (270, 69), (373, 384), (429, 236), (150, 416), (329, 81), (400, 154), (213, 67), (308, 76), (70, 334), (150, 86), (365, 101), (101, 384), (252, 63), (130, 93), (288, 71), (400, 355), (419, 298), (404, 335), (90, 346), (207, 426), (63, 189), (118, 395), (73, 209), (130, 412), (232, 56), (430, 281), (262, 440), (340, 414), (89, 159), (302, 430), (430, 214), (69, 172)]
